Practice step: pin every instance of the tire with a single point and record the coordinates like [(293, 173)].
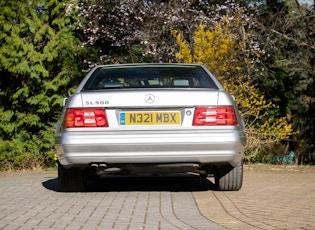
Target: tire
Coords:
[(71, 180), (229, 178)]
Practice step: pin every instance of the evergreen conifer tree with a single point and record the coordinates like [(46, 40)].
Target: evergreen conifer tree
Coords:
[(38, 52)]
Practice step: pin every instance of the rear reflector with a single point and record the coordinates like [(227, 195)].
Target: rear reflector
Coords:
[(91, 117), (214, 116)]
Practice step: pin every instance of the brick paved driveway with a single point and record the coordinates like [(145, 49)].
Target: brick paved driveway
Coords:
[(31, 201), (272, 198)]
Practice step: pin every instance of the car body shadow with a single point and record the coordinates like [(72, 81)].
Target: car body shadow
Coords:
[(120, 183)]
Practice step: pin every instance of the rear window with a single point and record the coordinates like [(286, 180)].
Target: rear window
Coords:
[(149, 77)]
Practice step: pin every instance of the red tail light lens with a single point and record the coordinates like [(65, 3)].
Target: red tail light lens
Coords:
[(214, 116), (91, 117)]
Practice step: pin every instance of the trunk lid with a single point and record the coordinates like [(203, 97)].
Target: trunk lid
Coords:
[(150, 98)]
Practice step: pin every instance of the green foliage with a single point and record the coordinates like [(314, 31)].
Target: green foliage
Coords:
[(287, 31), (38, 52)]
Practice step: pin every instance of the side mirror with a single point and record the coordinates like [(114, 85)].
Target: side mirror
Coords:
[(65, 100)]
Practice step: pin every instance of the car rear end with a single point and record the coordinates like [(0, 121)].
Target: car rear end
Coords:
[(150, 118)]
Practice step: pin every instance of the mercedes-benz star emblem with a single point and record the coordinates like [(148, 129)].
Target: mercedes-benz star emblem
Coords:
[(149, 98)]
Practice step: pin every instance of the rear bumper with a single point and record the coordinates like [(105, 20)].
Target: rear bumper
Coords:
[(81, 148)]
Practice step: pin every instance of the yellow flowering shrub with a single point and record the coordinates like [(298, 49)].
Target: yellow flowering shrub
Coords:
[(224, 53), (211, 48)]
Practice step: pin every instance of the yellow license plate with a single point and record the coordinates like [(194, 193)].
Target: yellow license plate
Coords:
[(150, 118)]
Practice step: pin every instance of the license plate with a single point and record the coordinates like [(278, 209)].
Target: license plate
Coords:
[(150, 118)]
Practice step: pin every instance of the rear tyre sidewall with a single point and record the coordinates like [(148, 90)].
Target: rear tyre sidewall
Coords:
[(71, 180), (229, 178)]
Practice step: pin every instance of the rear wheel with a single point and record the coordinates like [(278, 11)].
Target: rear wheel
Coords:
[(229, 178), (71, 180)]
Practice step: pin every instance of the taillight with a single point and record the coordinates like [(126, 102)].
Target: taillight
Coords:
[(83, 117), (214, 116)]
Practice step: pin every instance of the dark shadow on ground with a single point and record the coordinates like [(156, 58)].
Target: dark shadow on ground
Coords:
[(118, 183)]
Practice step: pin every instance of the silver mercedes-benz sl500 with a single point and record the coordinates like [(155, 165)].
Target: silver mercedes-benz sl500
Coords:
[(150, 119)]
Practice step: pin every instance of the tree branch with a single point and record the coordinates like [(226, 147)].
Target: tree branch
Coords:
[(292, 39)]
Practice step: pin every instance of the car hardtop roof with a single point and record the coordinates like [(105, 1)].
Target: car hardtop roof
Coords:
[(153, 65), (147, 65)]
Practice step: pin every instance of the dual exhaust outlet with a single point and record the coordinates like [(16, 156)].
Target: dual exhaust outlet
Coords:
[(103, 167)]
